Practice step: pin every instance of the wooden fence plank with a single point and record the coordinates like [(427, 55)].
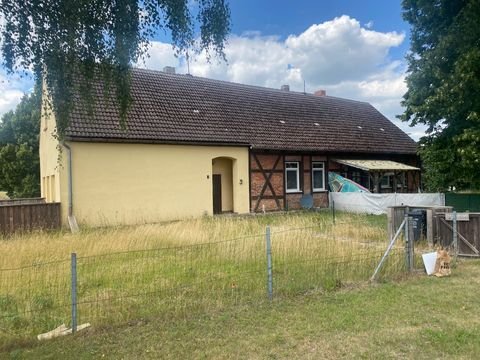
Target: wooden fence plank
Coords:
[(20, 217)]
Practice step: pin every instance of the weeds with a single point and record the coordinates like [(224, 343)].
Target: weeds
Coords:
[(179, 269)]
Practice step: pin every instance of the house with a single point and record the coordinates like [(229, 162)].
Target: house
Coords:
[(196, 146)]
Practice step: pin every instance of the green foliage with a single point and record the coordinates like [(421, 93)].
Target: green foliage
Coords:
[(19, 141), (443, 91), (64, 40)]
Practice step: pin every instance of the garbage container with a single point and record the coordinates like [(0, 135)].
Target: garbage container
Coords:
[(419, 224)]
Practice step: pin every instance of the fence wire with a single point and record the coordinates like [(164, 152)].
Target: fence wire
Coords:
[(180, 282)]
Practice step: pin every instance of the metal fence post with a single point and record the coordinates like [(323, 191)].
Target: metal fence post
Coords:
[(408, 243), (74, 292), (411, 242), (269, 263), (333, 211), (455, 237)]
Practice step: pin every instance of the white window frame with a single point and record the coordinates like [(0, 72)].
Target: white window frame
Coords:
[(314, 189), (297, 170)]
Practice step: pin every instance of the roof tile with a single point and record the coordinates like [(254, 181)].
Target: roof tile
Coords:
[(184, 108)]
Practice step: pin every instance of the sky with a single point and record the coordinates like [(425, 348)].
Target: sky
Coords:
[(352, 49)]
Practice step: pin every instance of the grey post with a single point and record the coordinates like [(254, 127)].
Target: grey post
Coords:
[(74, 292), (333, 211), (411, 244), (269, 263), (455, 237), (408, 243), (389, 248)]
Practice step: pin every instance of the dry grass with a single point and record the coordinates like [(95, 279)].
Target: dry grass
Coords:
[(183, 268), (52, 246)]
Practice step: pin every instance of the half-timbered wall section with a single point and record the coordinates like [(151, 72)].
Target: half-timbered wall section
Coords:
[(268, 176)]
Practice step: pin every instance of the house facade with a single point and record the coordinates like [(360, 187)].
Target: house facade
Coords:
[(194, 146)]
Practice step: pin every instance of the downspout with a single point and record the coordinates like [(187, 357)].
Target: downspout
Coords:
[(71, 218), (70, 187)]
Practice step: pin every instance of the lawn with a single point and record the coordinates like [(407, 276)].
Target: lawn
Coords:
[(182, 270), (418, 317)]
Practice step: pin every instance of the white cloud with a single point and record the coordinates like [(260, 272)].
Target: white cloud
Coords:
[(340, 56), (12, 88), (160, 55)]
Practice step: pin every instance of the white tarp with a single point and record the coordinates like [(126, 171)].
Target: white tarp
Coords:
[(378, 203)]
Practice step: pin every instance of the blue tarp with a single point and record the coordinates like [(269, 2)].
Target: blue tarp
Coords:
[(338, 183)]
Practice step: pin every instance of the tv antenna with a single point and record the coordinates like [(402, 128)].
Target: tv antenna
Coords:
[(188, 61)]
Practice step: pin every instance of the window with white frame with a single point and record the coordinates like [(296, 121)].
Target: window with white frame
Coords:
[(292, 176), (318, 176)]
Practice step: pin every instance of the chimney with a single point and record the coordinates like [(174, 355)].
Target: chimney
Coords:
[(320, 93), (285, 87), (169, 70)]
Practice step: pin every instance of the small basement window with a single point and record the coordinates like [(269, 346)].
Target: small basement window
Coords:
[(292, 176), (318, 176)]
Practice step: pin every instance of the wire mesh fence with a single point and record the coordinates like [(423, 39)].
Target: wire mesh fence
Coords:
[(33, 298), (180, 282)]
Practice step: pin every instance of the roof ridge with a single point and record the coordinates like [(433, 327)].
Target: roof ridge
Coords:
[(250, 86), (181, 108)]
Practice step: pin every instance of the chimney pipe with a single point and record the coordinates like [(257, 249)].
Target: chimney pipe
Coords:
[(320, 93), (169, 70), (285, 88)]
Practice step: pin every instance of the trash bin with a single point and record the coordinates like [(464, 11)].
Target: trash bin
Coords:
[(419, 224)]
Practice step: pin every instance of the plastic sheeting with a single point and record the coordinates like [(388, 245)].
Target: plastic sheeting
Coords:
[(378, 203), (340, 184)]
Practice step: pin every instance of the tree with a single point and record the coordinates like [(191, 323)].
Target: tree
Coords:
[(443, 89), (19, 142), (63, 40)]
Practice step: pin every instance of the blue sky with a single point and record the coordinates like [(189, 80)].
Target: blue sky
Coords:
[(352, 49), (284, 17)]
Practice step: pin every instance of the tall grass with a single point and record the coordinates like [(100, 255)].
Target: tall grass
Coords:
[(182, 268)]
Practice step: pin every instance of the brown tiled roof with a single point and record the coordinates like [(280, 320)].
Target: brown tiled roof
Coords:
[(173, 108)]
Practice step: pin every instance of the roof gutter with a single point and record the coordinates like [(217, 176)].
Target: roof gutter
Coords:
[(149, 141)]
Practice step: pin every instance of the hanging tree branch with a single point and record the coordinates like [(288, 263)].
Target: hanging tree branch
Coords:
[(63, 41)]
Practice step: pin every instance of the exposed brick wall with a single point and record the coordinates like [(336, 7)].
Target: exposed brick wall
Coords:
[(293, 201), (257, 182), (320, 200), (283, 201)]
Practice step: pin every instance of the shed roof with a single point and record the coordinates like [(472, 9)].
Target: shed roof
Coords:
[(187, 109), (377, 165)]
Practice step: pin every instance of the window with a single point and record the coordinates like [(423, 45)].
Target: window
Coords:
[(386, 182), (292, 176), (52, 188), (318, 176), (357, 177)]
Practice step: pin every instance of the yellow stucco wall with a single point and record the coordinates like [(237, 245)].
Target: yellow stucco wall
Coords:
[(141, 183), (49, 158)]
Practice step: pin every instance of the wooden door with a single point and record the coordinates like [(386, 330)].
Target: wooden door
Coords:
[(217, 194)]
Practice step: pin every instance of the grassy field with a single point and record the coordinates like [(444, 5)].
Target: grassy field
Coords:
[(182, 269), (419, 317), (46, 247)]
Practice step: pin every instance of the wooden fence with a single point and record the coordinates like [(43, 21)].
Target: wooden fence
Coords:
[(29, 216), (396, 214), (468, 233)]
